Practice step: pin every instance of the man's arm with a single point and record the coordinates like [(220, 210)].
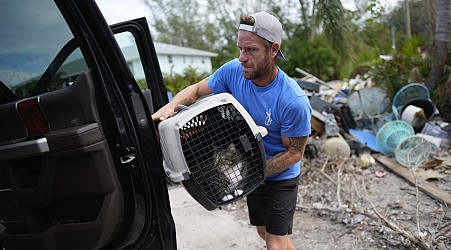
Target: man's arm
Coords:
[(295, 150), (187, 96)]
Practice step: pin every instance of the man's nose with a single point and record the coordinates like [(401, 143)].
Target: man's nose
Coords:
[(242, 57)]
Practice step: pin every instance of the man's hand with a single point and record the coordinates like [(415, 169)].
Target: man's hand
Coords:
[(187, 96), (163, 113)]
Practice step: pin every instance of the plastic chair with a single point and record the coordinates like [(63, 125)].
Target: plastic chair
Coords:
[(408, 93)]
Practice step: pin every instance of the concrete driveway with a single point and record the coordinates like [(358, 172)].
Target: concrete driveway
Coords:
[(200, 229)]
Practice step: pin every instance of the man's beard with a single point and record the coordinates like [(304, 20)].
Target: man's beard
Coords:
[(259, 70)]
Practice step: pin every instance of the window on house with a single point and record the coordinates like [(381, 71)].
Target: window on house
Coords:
[(170, 58)]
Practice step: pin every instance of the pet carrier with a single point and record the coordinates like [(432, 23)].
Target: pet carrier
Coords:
[(214, 149)]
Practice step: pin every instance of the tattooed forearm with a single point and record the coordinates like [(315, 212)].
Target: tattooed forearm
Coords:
[(298, 143), (283, 160)]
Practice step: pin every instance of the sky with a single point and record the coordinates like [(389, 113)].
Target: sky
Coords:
[(121, 10)]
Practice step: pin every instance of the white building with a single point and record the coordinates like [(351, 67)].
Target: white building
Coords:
[(172, 59)]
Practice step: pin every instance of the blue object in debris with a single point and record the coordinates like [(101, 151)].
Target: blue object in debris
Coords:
[(365, 137)]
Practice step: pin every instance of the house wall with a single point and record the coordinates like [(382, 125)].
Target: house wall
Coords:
[(178, 63), (172, 59)]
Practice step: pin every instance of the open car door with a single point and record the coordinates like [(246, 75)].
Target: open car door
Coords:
[(80, 162)]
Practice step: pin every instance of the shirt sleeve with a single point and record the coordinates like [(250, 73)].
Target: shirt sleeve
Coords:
[(221, 80), (297, 118)]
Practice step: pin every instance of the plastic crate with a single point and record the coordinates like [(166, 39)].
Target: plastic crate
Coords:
[(215, 150)]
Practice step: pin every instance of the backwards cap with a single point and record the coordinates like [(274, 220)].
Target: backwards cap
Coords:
[(267, 27)]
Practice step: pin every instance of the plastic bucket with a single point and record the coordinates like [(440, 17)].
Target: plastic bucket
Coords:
[(426, 105), (391, 134), (408, 112)]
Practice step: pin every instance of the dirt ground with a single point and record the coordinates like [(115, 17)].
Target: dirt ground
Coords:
[(344, 206)]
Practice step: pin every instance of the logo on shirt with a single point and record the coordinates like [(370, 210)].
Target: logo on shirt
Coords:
[(268, 119)]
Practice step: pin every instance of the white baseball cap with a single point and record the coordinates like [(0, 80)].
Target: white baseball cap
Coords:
[(266, 26)]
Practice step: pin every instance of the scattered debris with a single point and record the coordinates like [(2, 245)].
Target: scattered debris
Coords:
[(380, 174), (337, 178)]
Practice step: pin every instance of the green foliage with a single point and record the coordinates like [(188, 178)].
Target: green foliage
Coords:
[(335, 22), (375, 8), (142, 83), (176, 82), (367, 43), (314, 56), (393, 74), (377, 36), (359, 63)]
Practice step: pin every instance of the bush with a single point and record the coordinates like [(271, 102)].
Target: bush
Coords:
[(394, 73), (176, 82)]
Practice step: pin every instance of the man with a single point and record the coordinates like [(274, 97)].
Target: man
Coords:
[(275, 101)]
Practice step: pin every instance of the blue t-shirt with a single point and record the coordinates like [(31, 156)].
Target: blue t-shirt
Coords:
[(281, 107)]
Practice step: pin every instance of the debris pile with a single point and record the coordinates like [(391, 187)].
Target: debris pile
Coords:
[(359, 121)]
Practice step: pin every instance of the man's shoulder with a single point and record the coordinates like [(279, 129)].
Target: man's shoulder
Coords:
[(291, 87), (231, 68), (234, 63)]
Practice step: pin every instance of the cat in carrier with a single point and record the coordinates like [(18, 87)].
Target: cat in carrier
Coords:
[(229, 171)]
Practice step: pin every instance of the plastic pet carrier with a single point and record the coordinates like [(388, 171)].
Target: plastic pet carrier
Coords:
[(215, 150)]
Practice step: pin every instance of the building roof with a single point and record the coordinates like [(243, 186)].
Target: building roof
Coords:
[(168, 49)]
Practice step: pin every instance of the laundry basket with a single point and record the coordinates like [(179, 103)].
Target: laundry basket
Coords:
[(215, 150), (391, 134), (413, 151)]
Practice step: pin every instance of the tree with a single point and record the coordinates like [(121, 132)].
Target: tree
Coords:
[(182, 23), (333, 18), (422, 21), (441, 41), (211, 24), (314, 56)]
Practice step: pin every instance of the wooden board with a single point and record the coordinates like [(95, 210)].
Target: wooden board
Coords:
[(406, 173)]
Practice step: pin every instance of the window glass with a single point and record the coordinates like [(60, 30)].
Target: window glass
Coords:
[(127, 43), (33, 33)]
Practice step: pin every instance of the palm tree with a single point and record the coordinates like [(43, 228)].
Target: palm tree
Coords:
[(441, 41), (332, 17)]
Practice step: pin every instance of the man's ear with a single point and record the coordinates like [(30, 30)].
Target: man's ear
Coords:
[(275, 49)]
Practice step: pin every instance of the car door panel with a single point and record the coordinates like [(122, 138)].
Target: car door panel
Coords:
[(24, 149), (67, 182)]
